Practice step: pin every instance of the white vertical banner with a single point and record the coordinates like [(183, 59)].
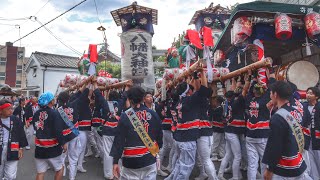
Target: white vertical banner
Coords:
[(136, 58)]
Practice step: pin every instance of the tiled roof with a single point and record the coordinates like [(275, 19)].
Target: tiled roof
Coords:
[(55, 60)]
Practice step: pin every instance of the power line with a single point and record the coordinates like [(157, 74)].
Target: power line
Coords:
[(42, 7), (57, 38), (95, 4), (48, 22)]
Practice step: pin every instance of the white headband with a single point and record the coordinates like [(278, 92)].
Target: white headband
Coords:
[(184, 94)]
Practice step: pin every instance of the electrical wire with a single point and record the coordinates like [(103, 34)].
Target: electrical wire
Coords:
[(42, 7), (95, 4), (48, 22), (59, 39)]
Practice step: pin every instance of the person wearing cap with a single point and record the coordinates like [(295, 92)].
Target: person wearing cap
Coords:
[(12, 141), (174, 60), (49, 140)]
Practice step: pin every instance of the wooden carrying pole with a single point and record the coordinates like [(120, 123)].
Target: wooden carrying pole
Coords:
[(184, 74), (115, 86), (267, 62)]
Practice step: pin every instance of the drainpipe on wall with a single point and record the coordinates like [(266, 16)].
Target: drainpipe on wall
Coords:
[(43, 77)]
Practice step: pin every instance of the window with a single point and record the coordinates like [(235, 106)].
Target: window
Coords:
[(19, 68), (2, 75), (3, 61), (18, 84)]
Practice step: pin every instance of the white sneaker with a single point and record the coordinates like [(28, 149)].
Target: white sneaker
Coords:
[(220, 177), (81, 169), (201, 177), (89, 153), (28, 147), (161, 173)]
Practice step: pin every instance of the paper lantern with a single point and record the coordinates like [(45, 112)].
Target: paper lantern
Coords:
[(242, 29), (312, 24), (159, 83), (71, 79), (170, 74), (101, 81), (219, 56), (283, 26), (62, 83)]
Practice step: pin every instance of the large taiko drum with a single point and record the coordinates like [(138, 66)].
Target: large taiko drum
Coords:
[(301, 73)]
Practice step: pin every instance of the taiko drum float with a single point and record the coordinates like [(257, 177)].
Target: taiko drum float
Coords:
[(301, 73)]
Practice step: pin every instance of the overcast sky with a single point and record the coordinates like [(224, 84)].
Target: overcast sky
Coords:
[(78, 27)]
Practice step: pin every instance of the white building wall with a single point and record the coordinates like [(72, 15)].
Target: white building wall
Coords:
[(53, 76), (34, 80)]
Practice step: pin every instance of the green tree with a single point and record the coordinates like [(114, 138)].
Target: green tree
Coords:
[(113, 68)]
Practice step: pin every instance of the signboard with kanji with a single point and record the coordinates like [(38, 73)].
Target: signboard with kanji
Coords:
[(136, 58)]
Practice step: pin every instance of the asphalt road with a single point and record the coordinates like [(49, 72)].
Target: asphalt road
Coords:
[(27, 169)]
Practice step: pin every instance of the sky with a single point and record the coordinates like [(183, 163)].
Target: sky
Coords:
[(78, 28)]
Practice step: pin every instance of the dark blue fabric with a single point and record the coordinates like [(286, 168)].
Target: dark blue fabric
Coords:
[(137, 16), (199, 23)]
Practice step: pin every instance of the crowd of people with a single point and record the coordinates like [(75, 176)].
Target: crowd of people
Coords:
[(264, 130)]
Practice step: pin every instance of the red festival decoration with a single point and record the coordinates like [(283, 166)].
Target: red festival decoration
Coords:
[(193, 37), (283, 26), (103, 73), (312, 23), (207, 36), (242, 29), (93, 53)]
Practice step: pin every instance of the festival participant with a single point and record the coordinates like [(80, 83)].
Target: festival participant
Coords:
[(68, 111), (187, 128), (49, 140), (235, 105), (138, 140), (29, 125), (172, 103), (20, 110), (110, 113), (285, 161), (174, 60), (308, 113), (85, 116), (204, 143), (257, 126), (94, 139), (148, 102), (311, 125), (215, 115), (12, 141)]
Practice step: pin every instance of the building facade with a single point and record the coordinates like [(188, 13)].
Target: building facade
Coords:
[(12, 60), (44, 72)]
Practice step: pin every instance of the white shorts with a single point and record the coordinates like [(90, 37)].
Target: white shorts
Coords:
[(43, 164)]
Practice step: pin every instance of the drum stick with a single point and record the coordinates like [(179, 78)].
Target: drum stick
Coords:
[(259, 64)]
